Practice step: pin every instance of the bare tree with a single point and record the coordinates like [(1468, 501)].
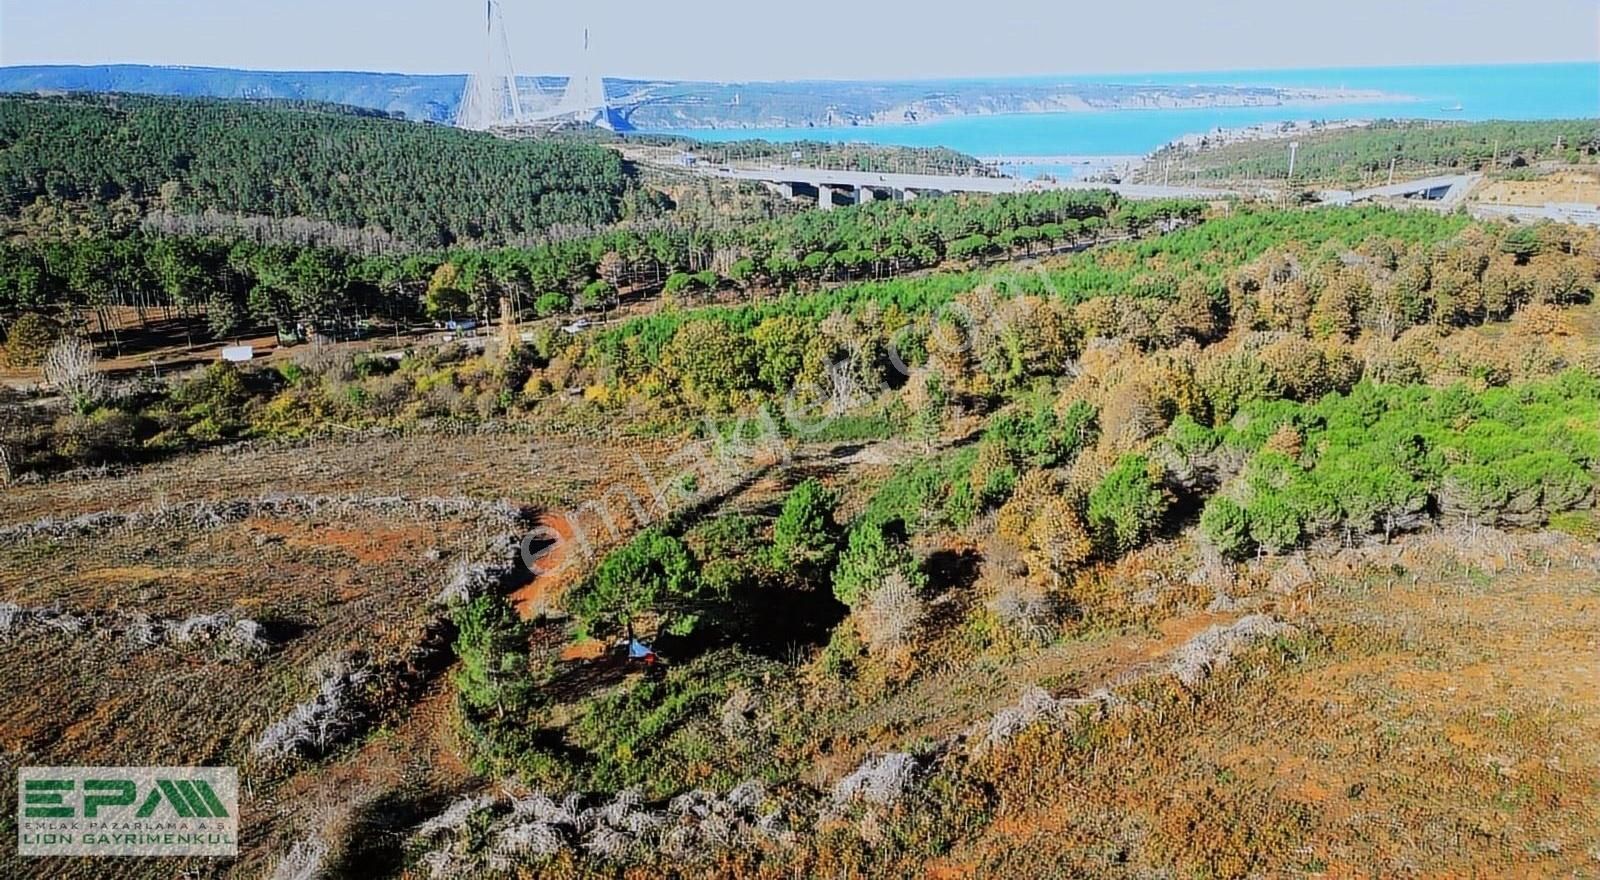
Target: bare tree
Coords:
[(72, 368), (7, 473), (891, 615)]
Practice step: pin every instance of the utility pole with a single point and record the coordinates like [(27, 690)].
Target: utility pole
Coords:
[(1294, 149), (1391, 169), (1495, 164)]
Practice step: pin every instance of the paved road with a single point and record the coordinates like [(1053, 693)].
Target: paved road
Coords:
[(953, 183), (1583, 215)]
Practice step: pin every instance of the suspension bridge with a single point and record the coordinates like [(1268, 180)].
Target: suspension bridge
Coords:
[(496, 98)]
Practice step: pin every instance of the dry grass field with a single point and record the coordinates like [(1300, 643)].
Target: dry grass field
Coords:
[(1435, 716), (350, 570), (1439, 721)]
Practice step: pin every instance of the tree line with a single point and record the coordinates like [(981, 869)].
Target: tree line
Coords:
[(871, 158), (239, 284), (1363, 155)]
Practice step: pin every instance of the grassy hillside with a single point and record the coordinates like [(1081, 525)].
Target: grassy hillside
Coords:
[(423, 184)]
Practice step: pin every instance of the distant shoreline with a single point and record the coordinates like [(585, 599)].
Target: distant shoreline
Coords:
[(919, 113)]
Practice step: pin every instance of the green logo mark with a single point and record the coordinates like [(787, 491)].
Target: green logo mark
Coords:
[(42, 798), (189, 798)]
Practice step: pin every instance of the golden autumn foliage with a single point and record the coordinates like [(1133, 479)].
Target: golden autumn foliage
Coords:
[(1058, 542)]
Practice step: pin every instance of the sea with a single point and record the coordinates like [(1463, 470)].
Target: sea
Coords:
[(1475, 93)]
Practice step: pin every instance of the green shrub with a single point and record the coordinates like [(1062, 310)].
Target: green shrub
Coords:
[(1274, 523), (962, 506), (653, 572), (552, 303), (871, 556), (493, 679), (729, 536), (806, 537), (1128, 506), (843, 652), (1224, 524), (918, 494), (1041, 438), (664, 735)]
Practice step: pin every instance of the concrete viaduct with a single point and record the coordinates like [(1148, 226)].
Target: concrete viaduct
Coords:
[(831, 187)]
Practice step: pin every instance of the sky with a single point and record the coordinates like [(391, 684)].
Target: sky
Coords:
[(736, 40)]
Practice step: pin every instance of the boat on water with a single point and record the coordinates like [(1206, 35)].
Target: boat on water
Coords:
[(1457, 108)]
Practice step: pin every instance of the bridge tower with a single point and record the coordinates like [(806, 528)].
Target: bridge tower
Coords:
[(585, 98), (493, 97)]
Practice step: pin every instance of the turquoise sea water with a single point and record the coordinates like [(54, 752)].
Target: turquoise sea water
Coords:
[(1525, 91)]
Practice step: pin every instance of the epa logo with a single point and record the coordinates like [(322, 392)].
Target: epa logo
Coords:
[(46, 798), (121, 811)]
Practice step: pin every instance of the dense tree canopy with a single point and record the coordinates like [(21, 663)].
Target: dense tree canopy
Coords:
[(1363, 155), (279, 283), (423, 184), (1386, 457), (1315, 278)]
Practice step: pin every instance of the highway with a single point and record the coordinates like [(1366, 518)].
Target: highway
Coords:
[(1580, 214), (950, 182)]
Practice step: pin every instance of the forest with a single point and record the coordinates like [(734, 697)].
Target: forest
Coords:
[(297, 160), (239, 284), (1362, 156), (1337, 271), (1330, 294)]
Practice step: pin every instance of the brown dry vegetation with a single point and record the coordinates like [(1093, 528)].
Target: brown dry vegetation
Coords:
[(1568, 187), (1437, 719), (1442, 723), (333, 583)]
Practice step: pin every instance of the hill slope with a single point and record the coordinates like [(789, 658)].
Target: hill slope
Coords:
[(313, 161), (1361, 156), (418, 97)]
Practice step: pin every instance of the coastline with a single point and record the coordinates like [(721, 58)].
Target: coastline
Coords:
[(926, 112)]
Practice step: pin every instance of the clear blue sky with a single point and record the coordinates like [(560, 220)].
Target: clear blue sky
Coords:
[(789, 39)]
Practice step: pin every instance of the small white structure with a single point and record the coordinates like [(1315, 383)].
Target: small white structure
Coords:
[(238, 354)]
